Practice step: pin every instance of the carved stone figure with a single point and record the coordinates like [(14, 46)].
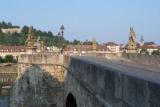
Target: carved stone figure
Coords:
[(42, 46), (132, 44), (94, 44), (31, 39)]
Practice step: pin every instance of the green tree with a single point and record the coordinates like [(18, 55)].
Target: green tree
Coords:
[(87, 42), (1, 59), (50, 34), (8, 58), (47, 37), (9, 24), (25, 29), (76, 42), (144, 51), (156, 52)]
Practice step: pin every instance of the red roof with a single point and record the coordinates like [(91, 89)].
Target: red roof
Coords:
[(85, 48), (4, 48), (111, 44), (149, 47)]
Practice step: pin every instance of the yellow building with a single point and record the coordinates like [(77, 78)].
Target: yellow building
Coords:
[(11, 30)]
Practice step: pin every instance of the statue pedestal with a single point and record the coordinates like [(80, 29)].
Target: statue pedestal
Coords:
[(131, 51), (31, 50)]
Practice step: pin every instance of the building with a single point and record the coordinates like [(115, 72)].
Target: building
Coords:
[(52, 49), (148, 47), (113, 47), (11, 30), (152, 44), (12, 50), (86, 50)]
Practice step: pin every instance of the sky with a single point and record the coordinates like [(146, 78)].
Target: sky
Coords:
[(104, 20)]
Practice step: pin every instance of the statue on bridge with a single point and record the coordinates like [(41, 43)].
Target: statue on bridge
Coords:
[(94, 44), (31, 37), (132, 44), (31, 48)]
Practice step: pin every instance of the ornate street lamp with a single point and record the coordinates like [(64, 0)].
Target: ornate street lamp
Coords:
[(62, 30), (62, 39)]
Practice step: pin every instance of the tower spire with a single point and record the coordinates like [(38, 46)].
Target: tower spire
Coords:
[(142, 41)]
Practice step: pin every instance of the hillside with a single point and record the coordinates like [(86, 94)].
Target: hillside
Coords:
[(47, 37), (20, 38)]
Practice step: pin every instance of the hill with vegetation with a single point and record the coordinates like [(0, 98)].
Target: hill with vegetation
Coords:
[(47, 37)]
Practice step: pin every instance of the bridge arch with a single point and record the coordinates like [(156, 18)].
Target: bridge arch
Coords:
[(71, 101)]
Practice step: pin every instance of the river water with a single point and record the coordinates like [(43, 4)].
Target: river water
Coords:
[(4, 101)]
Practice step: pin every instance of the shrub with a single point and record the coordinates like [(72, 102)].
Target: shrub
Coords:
[(1, 60), (156, 52), (8, 58), (144, 51)]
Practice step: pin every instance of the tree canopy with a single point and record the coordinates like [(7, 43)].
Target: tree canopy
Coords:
[(156, 52), (7, 25), (8, 58), (47, 37)]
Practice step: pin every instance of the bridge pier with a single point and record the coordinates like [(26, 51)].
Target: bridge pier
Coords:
[(40, 81)]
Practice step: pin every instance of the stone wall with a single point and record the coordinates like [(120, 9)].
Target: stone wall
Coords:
[(153, 60), (40, 59), (40, 82), (98, 83), (4, 67), (8, 75)]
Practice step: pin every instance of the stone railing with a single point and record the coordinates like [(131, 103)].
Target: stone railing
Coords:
[(112, 84), (153, 60)]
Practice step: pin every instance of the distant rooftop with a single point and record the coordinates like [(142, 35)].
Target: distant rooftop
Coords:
[(111, 44)]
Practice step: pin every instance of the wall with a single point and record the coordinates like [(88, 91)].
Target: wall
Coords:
[(8, 75), (14, 54), (100, 83), (11, 30), (4, 67), (46, 61), (40, 81), (153, 60)]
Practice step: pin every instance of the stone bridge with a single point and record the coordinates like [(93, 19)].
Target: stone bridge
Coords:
[(40, 81), (8, 78), (8, 75), (60, 81), (92, 82)]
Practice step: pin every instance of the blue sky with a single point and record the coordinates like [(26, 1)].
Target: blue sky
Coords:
[(105, 20)]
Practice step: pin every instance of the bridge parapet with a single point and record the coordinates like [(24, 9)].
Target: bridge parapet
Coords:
[(40, 59), (48, 62), (102, 83), (40, 81), (153, 60)]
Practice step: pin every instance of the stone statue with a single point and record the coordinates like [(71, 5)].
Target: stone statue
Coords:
[(42, 46), (39, 45), (31, 39), (94, 44), (132, 44)]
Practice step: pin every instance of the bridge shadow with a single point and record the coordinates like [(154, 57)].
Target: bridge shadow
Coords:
[(37, 87)]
